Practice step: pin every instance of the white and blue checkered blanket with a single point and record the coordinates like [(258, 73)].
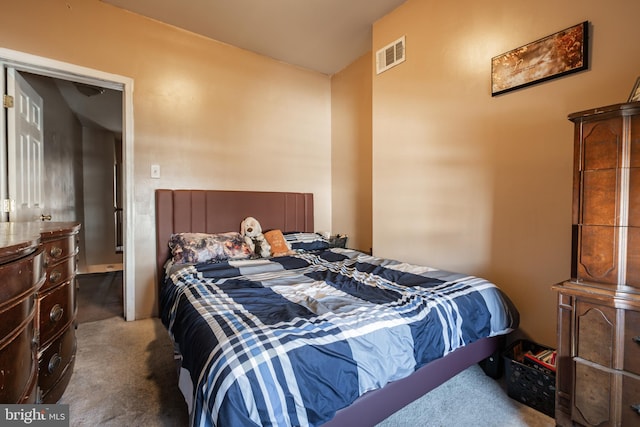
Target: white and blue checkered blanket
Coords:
[(290, 340)]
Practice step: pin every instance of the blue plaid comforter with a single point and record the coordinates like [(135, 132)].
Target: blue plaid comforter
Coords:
[(291, 340)]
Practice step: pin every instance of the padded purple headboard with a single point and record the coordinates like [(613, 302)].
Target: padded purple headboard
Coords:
[(213, 211)]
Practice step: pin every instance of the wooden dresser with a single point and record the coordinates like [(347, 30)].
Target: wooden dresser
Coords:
[(37, 310), (57, 309), (598, 366)]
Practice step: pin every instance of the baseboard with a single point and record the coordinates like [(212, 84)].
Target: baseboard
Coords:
[(101, 268)]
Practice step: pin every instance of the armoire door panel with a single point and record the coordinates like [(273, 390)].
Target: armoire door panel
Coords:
[(601, 144), (599, 196), (634, 197), (598, 254), (635, 141), (633, 257)]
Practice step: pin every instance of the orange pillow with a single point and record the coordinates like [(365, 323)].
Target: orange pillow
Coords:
[(279, 246)]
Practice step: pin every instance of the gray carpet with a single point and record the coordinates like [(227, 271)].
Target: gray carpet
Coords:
[(124, 376), (468, 399)]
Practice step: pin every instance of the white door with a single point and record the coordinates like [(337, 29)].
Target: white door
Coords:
[(25, 138)]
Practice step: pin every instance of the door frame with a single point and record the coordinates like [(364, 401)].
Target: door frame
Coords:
[(62, 70)]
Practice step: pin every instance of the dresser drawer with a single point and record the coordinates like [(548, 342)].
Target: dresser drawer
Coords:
[(591, 406), (15, 315), (55, 360), (632, 341), (19, 366), (59, 273), (59, 249), (20, 276), (56, 311), (630, 401), (56, 391), (596, 325)]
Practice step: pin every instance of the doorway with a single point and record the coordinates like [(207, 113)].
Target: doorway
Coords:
[(73, 74), (81, 156)]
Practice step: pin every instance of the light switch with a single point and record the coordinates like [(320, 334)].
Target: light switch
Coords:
[(155, 171)]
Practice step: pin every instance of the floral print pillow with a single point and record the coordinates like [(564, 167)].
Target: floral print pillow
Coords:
[(194, 248)]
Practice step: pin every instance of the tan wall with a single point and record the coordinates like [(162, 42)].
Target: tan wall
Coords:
[(480, 184), (351, 153), (212, 115)]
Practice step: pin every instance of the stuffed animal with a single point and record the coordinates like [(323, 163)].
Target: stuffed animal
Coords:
[(251, 230)]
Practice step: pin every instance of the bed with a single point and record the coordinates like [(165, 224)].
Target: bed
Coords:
[(323, 336)]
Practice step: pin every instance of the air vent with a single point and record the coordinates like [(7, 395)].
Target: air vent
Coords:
[(390, 55)]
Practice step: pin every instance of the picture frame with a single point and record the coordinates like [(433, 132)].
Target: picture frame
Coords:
[(553, 56), (635, 92)]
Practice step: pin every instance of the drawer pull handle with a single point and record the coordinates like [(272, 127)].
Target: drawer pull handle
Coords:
[(56, 313), (54, 362), (636, 339), (636, 408), (56, 251), (55, 276)]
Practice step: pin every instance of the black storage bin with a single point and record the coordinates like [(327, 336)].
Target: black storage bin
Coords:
[(535, 386)]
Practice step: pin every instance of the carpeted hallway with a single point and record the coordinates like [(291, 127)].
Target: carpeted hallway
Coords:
[(125, 376)]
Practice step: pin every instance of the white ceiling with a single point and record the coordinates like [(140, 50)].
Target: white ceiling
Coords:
[(321, 35)]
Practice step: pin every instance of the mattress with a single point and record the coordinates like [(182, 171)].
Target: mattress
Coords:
[(290, 340)]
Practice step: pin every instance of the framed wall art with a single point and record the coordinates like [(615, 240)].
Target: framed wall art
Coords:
[(553, 56), (635, 92)]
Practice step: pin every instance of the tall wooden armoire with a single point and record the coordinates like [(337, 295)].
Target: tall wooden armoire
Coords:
[(598, 365)]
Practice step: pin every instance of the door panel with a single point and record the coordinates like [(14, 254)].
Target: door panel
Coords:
[(25, 138)]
